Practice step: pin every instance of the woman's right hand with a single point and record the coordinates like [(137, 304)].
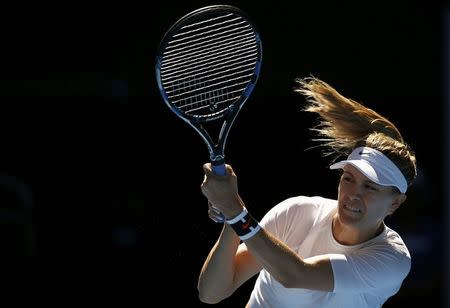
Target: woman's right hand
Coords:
[(215, 214), (221, 192)]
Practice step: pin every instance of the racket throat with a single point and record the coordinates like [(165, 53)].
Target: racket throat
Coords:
[(217, 159), (216, 146), (218, 164), (216, 152)]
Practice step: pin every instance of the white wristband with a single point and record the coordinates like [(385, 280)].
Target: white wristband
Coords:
[(253, 231), (238, 217), (244, 225)]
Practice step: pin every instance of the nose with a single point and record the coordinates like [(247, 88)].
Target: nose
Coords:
[(354, 192), (354, 197)]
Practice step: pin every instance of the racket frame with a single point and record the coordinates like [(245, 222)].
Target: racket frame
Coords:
[(216, 149)]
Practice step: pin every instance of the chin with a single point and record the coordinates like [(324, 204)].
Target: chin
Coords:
[(348, 219)]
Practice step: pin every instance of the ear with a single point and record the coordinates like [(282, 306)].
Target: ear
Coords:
[(396, 202)]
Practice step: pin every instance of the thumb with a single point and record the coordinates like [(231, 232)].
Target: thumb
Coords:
[(229, 169), (207, 168)]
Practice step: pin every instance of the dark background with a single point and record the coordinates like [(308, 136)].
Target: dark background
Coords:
[(101, 182)]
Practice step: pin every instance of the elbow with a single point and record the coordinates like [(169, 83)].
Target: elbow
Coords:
[(211, 297), (208, 298), (289, 282)]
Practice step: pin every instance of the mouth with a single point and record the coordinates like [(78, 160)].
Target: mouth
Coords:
[(352, 209)]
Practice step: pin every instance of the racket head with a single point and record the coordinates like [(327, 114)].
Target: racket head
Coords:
[(208, 63)]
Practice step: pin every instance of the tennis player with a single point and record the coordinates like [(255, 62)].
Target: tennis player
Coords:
[(312, 251)]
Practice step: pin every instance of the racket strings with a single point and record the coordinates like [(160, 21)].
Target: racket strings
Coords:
[(213, 102), (213, 66), (221, 53), (178, 91), (198, 49), (211, 52), (197, 97), (205, 74), (209, 20), (204, 42), (208, 65), (202, 31)]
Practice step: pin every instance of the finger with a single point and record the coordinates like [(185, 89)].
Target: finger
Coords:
[(207, 168), (204, 180), (218, 218), (215, 210), (230, 170), (214, 213)]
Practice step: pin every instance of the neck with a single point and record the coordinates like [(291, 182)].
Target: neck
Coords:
[(348, 235)]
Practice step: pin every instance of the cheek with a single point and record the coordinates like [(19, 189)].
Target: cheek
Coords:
[(341, 189), (378, 209)]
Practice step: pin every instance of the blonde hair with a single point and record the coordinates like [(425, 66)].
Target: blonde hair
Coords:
[(346, 124)]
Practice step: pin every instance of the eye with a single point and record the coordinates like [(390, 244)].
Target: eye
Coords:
[(346, 179), (370, 187)]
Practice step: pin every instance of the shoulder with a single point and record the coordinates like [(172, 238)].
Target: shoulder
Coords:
[(390, 250), (302, 206), (388, 241), (378, 266), (396, 244), (306, 203)]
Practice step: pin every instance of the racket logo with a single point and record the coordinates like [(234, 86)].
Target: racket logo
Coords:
[(212, 106)]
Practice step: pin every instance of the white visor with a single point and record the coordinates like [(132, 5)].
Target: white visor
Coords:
[(376, 166)]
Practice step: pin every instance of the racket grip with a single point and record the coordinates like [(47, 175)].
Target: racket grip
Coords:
[(219, 169)]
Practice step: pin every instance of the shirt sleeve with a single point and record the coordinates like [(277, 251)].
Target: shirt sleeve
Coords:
[(369, 270), (290, 219)]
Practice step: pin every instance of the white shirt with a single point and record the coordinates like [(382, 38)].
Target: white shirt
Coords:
[(365, 275)]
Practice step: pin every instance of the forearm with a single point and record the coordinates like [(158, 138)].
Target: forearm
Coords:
[(217, 274), (287, 267), (280, 261)]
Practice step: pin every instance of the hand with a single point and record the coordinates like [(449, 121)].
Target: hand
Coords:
[(215, 214), (222, 192)]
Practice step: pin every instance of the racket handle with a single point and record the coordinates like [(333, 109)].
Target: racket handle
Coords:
[(222, 171), (219, 169)]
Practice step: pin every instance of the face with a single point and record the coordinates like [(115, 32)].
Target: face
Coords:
[(362, 203)]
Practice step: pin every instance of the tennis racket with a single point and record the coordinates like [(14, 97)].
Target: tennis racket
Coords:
[(207, 66)]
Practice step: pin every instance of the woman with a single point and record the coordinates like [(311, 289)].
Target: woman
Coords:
[(314, 251)]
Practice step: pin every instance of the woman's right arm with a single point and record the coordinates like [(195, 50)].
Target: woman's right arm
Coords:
[(226, 268)]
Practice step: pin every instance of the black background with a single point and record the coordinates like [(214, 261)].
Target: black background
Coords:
[(115, 176)]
